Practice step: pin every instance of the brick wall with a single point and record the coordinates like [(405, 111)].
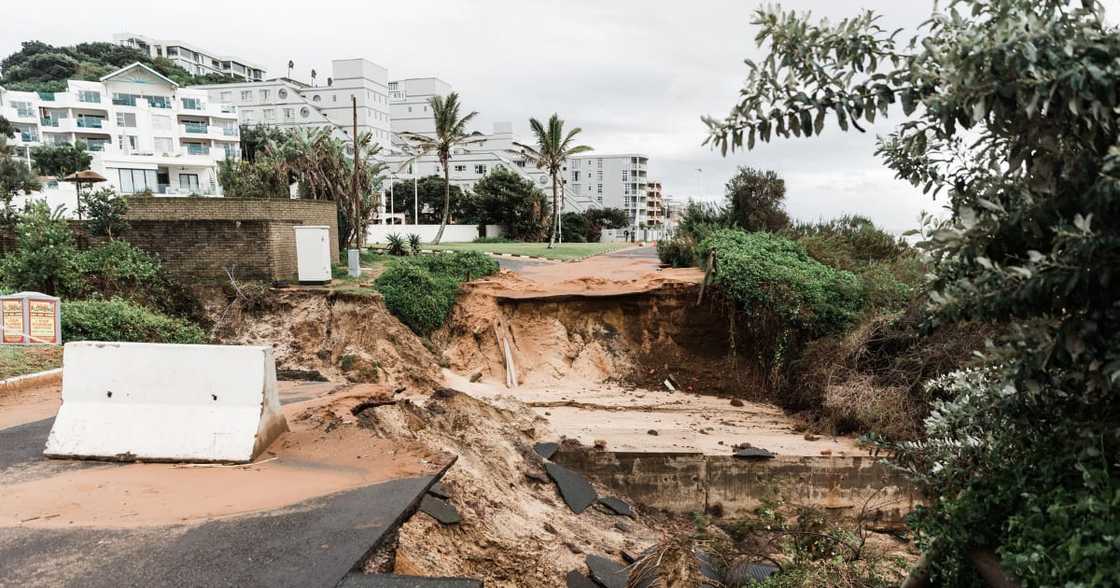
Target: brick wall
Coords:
[(198, 238)]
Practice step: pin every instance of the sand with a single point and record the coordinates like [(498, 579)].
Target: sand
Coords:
[(326, 452)]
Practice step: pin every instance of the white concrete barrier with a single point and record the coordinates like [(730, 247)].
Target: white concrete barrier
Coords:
[(451, 233), (155, 402)]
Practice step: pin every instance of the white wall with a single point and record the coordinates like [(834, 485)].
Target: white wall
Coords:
[(451, 234)]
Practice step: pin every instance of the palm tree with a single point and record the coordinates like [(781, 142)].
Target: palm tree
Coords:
[(314, 74), (552, 150), (291, 64), (450, 134)]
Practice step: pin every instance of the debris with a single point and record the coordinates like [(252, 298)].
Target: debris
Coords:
[(607, 573), (625, 528), (670, 385), (537, 477), (574, 579), (749, 452), (811, 437), (617, 506), (439, 491), (440, 510), (574, 488), (736, 402), (651, 432), (476, 376), (357, 580), (546, 450), (600, 444)]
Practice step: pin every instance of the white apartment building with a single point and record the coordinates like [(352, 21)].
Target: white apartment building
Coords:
[(192, 58), (408, 103), (288, 103), (612, 181), (143, 131)]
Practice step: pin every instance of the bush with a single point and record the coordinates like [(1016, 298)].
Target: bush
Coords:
[(764, 272), (45, 255), (420, 291), (118, 269), (677, 252), (106, 211), (414, 243), (395, 245), (121, 320), (418, 298), (850, 242)]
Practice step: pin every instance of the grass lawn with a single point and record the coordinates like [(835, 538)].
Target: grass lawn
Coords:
[(17, 360), (561, 251)]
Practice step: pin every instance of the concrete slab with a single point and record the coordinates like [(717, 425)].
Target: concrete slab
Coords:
[(575, 579), (617, 506), (313, 543), (546, 450), (439, 491), (577, 492), (393, 581)]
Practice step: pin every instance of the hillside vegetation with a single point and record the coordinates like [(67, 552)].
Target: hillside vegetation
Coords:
[(40, 67)]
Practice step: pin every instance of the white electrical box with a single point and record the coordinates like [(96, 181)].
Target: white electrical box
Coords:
[(313, 254)]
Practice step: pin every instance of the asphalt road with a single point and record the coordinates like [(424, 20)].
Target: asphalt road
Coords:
[(639, 252)]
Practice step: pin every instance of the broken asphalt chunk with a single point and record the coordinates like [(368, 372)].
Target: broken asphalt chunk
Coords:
[(607, 573), (439, 491), (574, 488), (617, 506), (574, 579), (754, 453), (546, 450), (440, 510)]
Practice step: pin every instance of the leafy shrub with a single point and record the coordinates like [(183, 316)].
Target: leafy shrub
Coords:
[(459, 265), (118, 269), (414, 243), (493, 240), (849, 242), (420, 291), (418, 298), (44, 258), (767, 272), (106, 211), (395, 245), (121, 320), (678, 251)]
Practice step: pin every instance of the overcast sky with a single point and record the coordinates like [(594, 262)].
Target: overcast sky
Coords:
[(636, 75)]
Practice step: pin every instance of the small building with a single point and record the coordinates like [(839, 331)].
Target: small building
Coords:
[(192, 58)]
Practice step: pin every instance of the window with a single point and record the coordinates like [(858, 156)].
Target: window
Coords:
[(625, 175), (288, 114), (305, 112), (460, 168), (89, 96), (599, 190), (172, 51), (161, 122), (575, 175), (599, 175), (264, 95), (334, 98), (246, 95), (188, 183), (192, 104), (599, 163), (162, 144), (248, 116), (137, 180), (269, 114), (282, 93), (225, 96), (126, 119), (316, 98), (410, 109), (159, 101), (480, 169), (23, 109)]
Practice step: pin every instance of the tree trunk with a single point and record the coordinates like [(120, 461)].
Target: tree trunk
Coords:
[(446, 202), (555, 212)]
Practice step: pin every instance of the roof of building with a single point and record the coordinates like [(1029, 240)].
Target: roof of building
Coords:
[(140, 65)]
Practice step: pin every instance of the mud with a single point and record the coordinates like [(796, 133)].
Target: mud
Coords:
[(325, 452), (343, 337)]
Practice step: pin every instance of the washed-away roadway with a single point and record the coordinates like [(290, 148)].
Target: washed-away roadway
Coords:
[(81, 523)]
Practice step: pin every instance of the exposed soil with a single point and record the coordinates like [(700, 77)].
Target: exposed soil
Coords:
[(325, 452), (516, 531), (640, 332), (343, 337)]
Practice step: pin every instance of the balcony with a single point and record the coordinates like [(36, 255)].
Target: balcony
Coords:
[(28, 136), (124, 99), (96, 145), (230, 131), (46, 96), (158, 101), (191, 104), (90, 123), (195, 149), (47, 121), (195, 128)]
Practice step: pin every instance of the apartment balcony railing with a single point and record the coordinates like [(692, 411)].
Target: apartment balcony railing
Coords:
[(96, 146), (193, 149), (158, 101), (47, 121), (46, 96), (124, 100), (90, 123), (89, 98), (192, 105), (25, 113), (230, 131), (192, 127)]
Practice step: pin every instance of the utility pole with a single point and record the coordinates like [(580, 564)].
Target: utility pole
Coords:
[(354, 255)]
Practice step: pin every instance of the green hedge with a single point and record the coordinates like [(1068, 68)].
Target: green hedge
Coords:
[(121, 320), (420, 291), (767, 271)]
